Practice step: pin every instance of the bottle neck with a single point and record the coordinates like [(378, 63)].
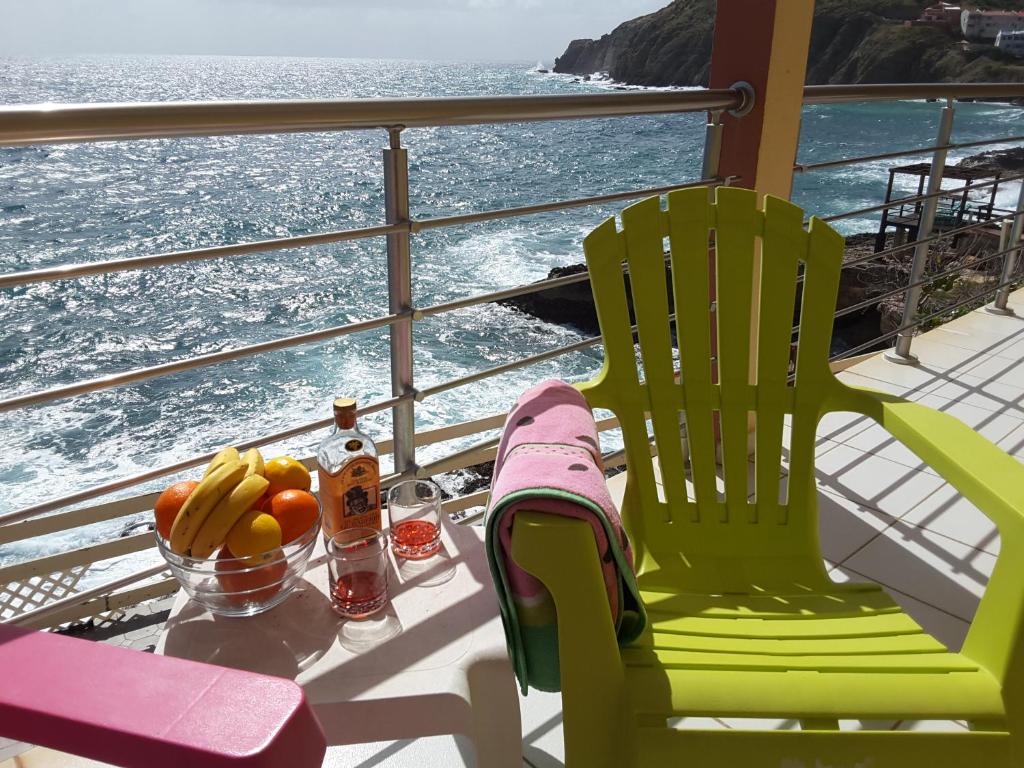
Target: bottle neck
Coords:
[(344, 420)]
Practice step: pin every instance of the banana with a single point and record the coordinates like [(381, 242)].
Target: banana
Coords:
[(200, 503), (228, 454), (253, 458), (227, 512)]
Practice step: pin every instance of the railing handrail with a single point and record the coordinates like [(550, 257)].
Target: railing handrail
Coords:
[(63, 123)]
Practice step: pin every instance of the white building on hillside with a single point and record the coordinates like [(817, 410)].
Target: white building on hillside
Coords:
[(1011, 43), (986, 25)]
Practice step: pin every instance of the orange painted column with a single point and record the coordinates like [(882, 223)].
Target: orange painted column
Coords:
[(765, 43)]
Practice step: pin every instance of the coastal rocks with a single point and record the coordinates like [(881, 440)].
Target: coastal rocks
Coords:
[(999, 159), (571, 304), (565, 305), (668, 47)]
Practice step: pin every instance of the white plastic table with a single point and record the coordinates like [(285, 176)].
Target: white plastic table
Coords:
[(445, 672)]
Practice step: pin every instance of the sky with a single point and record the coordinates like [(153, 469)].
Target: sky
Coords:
[(443, 30)]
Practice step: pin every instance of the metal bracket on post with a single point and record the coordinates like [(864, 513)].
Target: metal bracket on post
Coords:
[(999, 307), (396, 211), (900, 353), (712, 145), (749, 98)]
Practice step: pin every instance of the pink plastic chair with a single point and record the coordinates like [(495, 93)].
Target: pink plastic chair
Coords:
[(137, 709)]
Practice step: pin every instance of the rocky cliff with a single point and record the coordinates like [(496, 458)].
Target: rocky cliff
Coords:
[(852, 41)]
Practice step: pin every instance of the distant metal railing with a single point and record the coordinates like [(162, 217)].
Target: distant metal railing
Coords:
[(34, 125), (29, 125)]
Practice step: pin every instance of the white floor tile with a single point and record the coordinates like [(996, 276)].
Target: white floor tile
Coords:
[(1013, 443), (449, 751), (932, 725), (948, 513), (845, 526), (910, 377), (974, 333), (991, 425), (991, 395), (839, 426), (877, 441), (543, 744), (696, 724), (933, 354), (874, 481), (758, 724), (882, 381), (927, 566), (1001, 369)]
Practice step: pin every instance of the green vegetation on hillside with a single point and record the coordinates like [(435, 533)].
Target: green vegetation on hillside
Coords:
[(852, 41)]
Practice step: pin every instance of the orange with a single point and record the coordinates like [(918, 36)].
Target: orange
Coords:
[(256, 586), (295, 511), (255, 534), (285, 473), (169, 503)]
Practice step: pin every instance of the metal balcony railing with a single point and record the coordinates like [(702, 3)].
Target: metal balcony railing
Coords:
[(42, 590)]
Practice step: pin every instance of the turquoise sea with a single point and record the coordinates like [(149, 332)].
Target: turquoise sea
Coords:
[(85, 202)]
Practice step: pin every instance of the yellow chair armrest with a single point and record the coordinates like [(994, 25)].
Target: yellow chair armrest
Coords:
[(561, 552), (994, 482)]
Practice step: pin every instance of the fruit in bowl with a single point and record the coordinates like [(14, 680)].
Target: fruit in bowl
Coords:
[(237, 540)]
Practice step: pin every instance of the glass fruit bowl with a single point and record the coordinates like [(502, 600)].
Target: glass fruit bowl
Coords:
[(243, 586)]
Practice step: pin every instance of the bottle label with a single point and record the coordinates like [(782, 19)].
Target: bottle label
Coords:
[(351, 498)]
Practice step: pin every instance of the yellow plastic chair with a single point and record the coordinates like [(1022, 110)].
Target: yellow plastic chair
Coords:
[(745, 622)]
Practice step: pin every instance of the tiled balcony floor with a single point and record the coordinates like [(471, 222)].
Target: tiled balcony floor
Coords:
[(885, 517)]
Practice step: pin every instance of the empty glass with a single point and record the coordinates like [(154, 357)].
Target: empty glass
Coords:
[(357, 565), (414, 509)]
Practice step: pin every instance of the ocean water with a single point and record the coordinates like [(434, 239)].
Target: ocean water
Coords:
[(85, 202)]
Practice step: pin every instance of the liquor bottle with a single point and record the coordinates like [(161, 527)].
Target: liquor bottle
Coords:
[(349, 474)]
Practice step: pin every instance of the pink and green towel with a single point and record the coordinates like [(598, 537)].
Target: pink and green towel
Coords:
[(549, 460)]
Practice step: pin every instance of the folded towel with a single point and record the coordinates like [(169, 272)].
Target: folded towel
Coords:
[(549, 460)]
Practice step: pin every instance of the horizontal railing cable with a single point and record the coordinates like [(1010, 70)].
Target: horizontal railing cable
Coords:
[(910, 245), (924, 281), (916, 199), (840, 94), (199, 361), (930, 239), (515, 364), (527, 210), (51, 124), (921, 320), (809, 167), (168, 469), (508, 293), (71, 271), (505, 367)]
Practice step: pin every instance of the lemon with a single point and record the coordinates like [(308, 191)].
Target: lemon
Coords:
[(255, 533), (285, 473)]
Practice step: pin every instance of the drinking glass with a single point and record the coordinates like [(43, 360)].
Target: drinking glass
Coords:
[(414, 508), (357, 566)]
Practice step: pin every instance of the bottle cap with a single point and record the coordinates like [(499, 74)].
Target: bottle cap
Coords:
[(345, 412)]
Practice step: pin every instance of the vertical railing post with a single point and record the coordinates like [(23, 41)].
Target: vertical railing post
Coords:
[(1010, 260), (900, 353), (396, 211), (712, 146)]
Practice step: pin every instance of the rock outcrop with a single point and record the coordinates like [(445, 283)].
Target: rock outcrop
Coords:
[(852, 41)]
